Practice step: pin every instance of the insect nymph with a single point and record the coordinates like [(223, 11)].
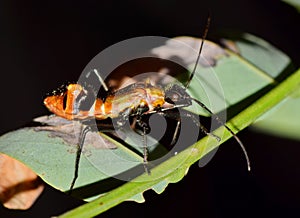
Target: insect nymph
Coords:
[(136, 101)]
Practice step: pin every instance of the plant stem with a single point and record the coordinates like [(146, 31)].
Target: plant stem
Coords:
[(175, 168)]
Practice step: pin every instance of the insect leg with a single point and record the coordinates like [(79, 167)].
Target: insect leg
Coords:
[(217, 118), (177, 116), (175, 135), (197, 122), (84, 131), (145, 128), (100, 79), (95, 76), (231, 132)]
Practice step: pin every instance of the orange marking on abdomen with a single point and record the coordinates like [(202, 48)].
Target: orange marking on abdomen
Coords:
[(102, 109)]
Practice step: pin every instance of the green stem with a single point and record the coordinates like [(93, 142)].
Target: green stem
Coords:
[(169, 170)]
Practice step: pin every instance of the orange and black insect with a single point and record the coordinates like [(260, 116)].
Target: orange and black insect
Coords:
[(74, 102)]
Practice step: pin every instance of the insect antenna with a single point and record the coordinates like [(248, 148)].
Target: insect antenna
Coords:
[(199, 52), (206, 108), (217, 118)]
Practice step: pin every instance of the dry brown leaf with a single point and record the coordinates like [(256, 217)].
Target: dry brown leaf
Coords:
[(19, 185), (70, 132)]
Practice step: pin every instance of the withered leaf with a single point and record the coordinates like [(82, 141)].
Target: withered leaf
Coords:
[(19, 185), (70, 132)]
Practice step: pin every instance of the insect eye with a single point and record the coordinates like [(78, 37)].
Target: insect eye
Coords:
[(175, 97)]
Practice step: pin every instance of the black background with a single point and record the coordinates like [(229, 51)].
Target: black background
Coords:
[(44, 44)]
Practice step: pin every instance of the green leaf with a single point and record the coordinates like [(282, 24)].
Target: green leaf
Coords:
[(54, 160), (235, 81), (176, 167), (282, 120), (294, 3), (236, 77)]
